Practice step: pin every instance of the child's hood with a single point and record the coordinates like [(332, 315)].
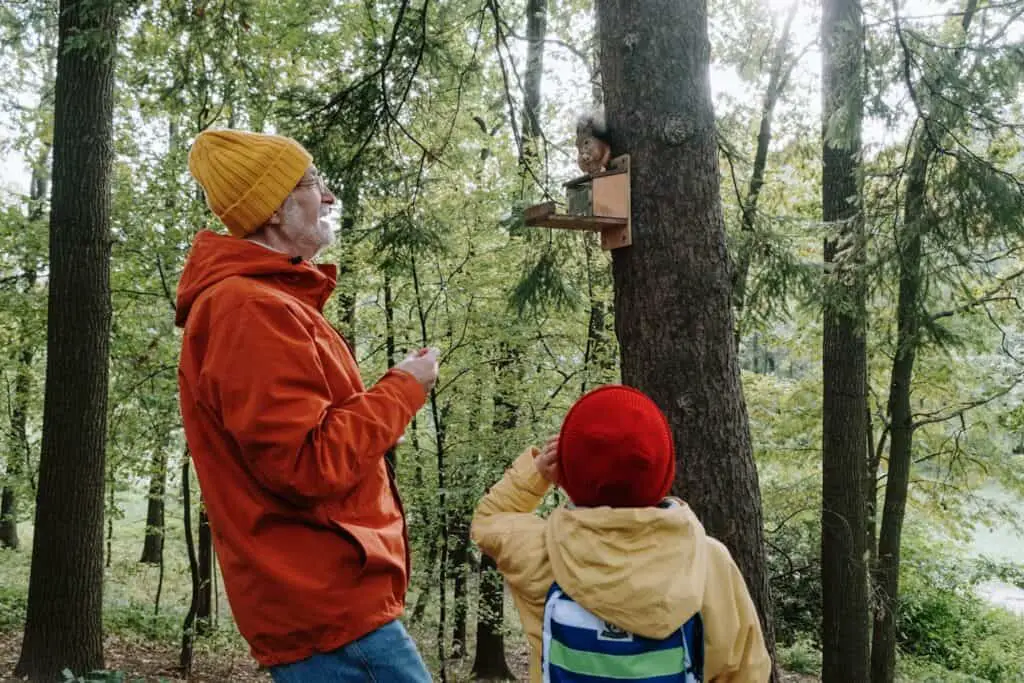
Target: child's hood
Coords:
[(641, 569)]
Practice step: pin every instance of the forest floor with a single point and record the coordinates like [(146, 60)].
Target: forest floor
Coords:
[(156, 663), (143, 643)]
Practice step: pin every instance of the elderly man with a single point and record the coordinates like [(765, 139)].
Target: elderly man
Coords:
[(287, 442)]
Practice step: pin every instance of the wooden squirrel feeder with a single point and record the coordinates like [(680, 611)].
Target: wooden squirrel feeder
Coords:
[(598, 202)]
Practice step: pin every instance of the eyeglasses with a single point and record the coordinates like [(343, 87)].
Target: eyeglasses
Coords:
[(314, 180)]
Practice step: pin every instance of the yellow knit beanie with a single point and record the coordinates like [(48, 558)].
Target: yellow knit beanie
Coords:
[(246, 176)]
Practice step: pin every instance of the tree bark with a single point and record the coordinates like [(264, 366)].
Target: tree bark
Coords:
[(489, 663), (536, 31), (18, 457), (389, 345), (460, 587), (598, 355), (844, 552), (153, 547), (204, 605), (673, 290), (63, 626), (188, 630), (346, 285)]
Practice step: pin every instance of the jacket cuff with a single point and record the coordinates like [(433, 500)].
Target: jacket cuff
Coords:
[(526, 475), (410, 390)]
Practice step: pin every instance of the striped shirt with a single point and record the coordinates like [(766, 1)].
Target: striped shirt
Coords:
[(581, 648)]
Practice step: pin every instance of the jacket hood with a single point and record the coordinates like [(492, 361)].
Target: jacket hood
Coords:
[(642, 569), (215, 258)]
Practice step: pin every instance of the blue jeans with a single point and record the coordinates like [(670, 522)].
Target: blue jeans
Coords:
[(387, 655)]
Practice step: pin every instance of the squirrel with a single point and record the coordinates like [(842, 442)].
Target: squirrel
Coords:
[(592, 146)]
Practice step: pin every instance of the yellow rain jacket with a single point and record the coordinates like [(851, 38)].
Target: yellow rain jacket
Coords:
[(645, 570)]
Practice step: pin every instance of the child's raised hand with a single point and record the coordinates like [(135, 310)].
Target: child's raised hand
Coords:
[(546, 461)]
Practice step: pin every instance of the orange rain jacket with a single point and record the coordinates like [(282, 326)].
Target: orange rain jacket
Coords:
[(289, 449)]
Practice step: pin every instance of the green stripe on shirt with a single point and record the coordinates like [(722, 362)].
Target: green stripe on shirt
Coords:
[(648, 665)]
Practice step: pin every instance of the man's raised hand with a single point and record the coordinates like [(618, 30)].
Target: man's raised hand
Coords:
[(422, 365)]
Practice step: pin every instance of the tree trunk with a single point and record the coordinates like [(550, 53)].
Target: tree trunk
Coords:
[(460, 590), (536, 30), (389, 345), (347, 287), (18, 457), (887, 577), (844, 458), (63, 626), (111, 513), (777, 81), (9, 509), (489, 663), (188, 630), (908, 311), (204, 606), (439, 418), (153, 547), (673, 290), (598, 355)]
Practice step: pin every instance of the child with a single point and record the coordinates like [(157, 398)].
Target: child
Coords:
[(622, 584)]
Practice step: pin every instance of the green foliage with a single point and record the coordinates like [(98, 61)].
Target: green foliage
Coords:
[(13, 604), (803, 656), (137, 621), (944, 621), (103, 676)]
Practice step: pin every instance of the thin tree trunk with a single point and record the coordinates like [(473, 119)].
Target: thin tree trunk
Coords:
[(460, 590), (347, 287), (777, 81), (18, 458), (870, 491), (159, 587), (153, 547), (423, 599), (909, 243), (598, 359), (536, 31), (63, 626), (111, 514), (673, 290), (883, 660), (464, 479), (489, 663), (419, 486), (844, 552), (389, 343), (442, 497), (204, 606), (188, 630), (9, 508)]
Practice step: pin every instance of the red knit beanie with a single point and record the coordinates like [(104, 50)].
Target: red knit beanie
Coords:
[(615, 449)]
